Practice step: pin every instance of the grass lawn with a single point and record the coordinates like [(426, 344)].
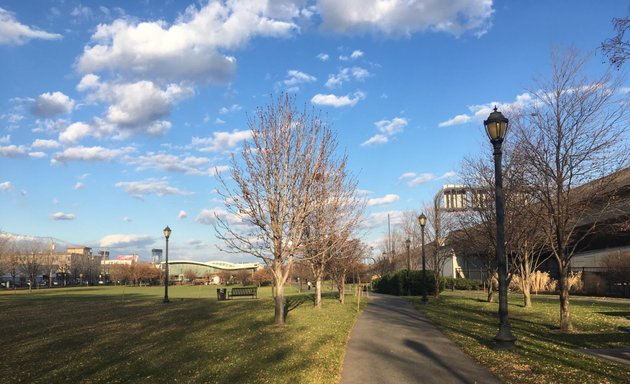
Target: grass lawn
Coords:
[(542, 355), (127, 335)]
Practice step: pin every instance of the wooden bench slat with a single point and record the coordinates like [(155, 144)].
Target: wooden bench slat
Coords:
[(250, 291)]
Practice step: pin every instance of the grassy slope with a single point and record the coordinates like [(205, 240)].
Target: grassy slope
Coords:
[(126, 335), (542, 355)]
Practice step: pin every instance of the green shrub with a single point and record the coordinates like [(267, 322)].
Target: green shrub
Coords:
[(397, 283), (463, 284)]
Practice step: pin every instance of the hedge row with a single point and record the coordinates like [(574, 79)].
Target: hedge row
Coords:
[(463, 284), (397, 283)]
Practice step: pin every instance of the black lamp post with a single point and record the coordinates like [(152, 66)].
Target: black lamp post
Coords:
[(408, 244), (496, 128), (167, 234), (422, 219)]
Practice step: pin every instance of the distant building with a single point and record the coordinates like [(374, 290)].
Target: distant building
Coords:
[(206, 270)]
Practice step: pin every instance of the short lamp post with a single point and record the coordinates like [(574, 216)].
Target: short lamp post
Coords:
[(496, 128), (408, 244), (422, 220), (167, 234)]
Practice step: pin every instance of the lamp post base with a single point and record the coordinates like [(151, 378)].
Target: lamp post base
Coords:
[(165, 301), (504, 340)]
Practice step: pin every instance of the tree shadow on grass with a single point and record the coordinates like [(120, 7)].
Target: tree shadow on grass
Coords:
[(292, 302)]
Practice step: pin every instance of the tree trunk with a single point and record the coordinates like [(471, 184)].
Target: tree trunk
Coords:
[(280, 316), (436, 294), (565, 310), (490, 292), (527, 292), (342, 290), (318, 292)]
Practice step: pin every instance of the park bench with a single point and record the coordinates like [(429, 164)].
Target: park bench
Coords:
[(248, 291)]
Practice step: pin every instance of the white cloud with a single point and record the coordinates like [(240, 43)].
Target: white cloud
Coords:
[(209, 217), (447, 175), (89, 81), (45, 144), (190, 165), (346, 74), (338, 101), (5, 139), (480, 112), (220, 169), (353, 56), (62, 216), (36, 155), (139, 104), (220, 141), (51, 104), (404, 18), (377, 219), (89, 154), (200, 35), (120, 240), (391, 127), (387, 199), (79, 185), (387, 129), (126, 219), (407, 175), (420, 179), (6, 186), (75, 132), (12, 151), (150, 187), (296, 77), (356, 54), (459, 119), (233, 108), (182, 215), (376, 139), (81, 12), (12, 32), (323, 57)]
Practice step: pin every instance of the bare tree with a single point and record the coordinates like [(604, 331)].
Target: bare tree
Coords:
[(477, 236), (617, 48), (334, 215), (440, 224), (270, 197), (244, 276), (573, 135), (5, 250), (31, 254), (348, 256)]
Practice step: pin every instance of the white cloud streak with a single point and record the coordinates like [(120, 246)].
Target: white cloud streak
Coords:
[(387, 199), (338, 101), (404, 18), (160, 188), (12, 32)]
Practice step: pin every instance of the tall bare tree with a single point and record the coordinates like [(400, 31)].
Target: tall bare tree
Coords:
[(348, 257), (334, 215), (617, 48), (270, 196), (573, 135)]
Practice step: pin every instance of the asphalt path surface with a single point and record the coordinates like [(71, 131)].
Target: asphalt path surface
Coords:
[(391, 342)]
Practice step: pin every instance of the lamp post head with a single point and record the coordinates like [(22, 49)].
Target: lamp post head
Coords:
[(422, 219), (496, 126), (167, 232)]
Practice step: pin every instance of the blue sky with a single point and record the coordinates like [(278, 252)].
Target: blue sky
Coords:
[(115, 115)]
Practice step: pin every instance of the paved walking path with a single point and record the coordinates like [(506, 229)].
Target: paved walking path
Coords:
[(391, 342)]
